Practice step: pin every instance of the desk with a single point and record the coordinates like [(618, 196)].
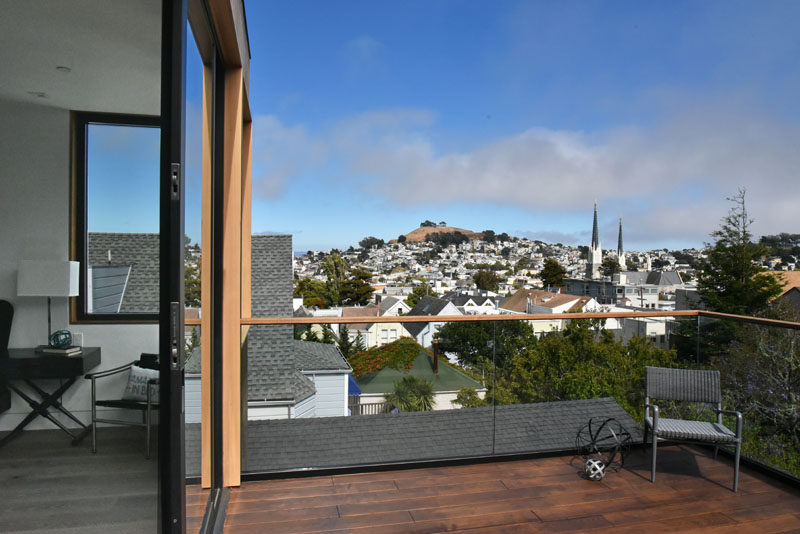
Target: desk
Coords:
[(28, 365)]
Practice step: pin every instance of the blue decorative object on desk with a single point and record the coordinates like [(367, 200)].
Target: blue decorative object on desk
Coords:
[(61, 339)]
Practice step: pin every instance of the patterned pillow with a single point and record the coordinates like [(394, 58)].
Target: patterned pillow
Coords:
[(136, 389)]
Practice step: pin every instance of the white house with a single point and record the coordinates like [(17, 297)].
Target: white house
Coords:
[(423, 332)]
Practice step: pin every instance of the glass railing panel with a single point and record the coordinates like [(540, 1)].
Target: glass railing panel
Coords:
[(360, 394), (192, 400), (760, 372)]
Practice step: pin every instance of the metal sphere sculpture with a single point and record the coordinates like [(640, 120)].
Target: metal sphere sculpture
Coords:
[(61, 339), (602, 442)]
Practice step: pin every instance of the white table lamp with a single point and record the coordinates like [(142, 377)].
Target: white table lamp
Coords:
[(40, 278)]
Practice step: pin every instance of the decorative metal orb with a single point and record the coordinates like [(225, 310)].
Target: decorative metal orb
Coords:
[(61, 339), (602, 442), (595, 469)]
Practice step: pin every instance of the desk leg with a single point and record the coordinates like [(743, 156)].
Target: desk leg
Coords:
[(55, 403), (41, 408), (22, 424)]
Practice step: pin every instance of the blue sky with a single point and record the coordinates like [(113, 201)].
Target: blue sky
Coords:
[(370, 117)]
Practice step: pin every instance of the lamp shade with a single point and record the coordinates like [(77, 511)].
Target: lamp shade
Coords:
[(39, 278)]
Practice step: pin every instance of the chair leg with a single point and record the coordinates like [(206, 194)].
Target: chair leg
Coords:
[(94, 418), (736, 466), (653, 458), (147, 433)]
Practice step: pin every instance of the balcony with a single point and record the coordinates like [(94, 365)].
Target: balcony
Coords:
[(509, 464), (692, 494)]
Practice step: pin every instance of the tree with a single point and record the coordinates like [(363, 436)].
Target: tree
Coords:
[(369, 242), (579, 362), (358, 344), (486, 280), (418, 292), (442, 223), (610, 267), (191, 276), (314, 293), (730, 279), (762, 375), (503, 237), (523, 263), (345, 345), (335, 269), (426, 223), (468, 398), (327, 335), (488, 236), (477, 344), (412, 394), (505, 252), (356, 290), (401, 238), (552, 274)]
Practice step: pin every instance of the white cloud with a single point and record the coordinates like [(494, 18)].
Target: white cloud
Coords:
[(670, 180), (281, 153)]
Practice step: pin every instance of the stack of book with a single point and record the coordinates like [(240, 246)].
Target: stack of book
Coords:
[(69, 351)]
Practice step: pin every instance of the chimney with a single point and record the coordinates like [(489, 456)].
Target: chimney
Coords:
[(436, 357)]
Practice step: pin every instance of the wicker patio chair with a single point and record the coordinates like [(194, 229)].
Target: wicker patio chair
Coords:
[(689, 386)]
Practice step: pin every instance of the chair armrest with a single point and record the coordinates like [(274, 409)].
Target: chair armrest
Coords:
[(737, 415), (108, 372), (654, 407)]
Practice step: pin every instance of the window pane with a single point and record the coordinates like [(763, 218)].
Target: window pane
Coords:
[(122, 219)]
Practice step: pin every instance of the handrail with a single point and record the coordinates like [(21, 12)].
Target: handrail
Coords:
[(458, 318), (261, 321)]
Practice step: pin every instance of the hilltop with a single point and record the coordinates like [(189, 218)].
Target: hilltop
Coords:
[(419, 235)]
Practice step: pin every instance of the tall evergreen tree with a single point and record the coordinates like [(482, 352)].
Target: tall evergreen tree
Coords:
[(730, 279), (345, 345), (552, 274)]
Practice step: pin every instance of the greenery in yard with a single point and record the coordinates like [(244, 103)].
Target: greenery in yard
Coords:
[(580, 362), (398, 354), (412, 394)]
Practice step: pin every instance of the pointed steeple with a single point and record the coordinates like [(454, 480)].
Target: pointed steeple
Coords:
[(621, 253), (595, 252)]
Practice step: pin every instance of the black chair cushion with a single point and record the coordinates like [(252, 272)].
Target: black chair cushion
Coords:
[(148, 361)]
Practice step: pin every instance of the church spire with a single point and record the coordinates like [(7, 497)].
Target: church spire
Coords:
[(621, 253), (595, 252)]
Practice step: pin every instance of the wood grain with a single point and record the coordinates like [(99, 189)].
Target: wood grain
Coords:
[(692, 494)]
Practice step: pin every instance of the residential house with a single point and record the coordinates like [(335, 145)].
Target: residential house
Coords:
[(376, 334), (429, 306), (286, 378), (446, 379)]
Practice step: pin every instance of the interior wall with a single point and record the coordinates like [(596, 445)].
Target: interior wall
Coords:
[(34, 217)]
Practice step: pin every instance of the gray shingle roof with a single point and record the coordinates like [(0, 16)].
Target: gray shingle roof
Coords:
[(362, 440), (271, 264), (310, 356), (428, 306), (270, 363), (425, 306), (387, 303), (659, 278), (140, 253)]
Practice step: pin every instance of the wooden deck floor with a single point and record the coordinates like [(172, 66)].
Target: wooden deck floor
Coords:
[(691, 494)]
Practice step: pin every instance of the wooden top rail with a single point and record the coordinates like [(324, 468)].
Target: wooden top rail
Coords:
[(253, 321)]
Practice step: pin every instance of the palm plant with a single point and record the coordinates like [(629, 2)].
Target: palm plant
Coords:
[(412, 394)]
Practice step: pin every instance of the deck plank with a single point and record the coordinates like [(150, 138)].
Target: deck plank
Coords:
[(691, 493)]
